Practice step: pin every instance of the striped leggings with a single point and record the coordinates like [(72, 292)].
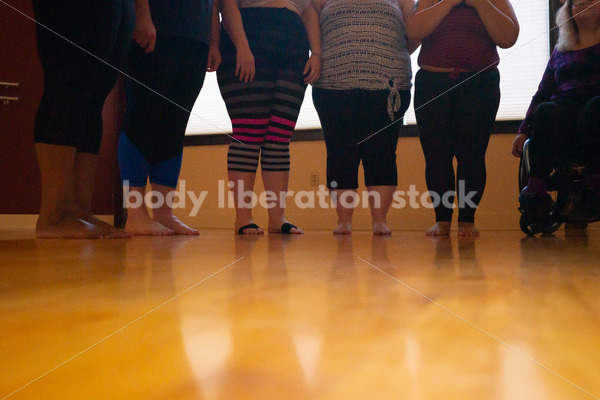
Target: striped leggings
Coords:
[(264, 112)]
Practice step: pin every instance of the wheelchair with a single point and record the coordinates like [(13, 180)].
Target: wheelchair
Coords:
[(567, 192)]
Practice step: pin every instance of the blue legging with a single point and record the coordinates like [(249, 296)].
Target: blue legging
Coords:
[(135, 167)]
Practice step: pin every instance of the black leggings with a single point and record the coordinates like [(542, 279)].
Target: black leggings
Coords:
[(565, 131), (457, 124), (155, 122), (76, 83), (350, 119)]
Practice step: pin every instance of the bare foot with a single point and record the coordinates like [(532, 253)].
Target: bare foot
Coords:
[(146, 226), (173, 223), (69, 227), (343, 228), (467, 229), (381, 228), (441, 228), (248, 231), (107, 231)]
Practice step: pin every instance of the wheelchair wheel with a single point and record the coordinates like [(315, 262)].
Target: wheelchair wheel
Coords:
[(553, 227), (534, 229), (524, 167), (529, 228), (525, 227)]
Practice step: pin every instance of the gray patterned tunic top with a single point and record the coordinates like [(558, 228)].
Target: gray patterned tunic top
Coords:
[(364, 47)]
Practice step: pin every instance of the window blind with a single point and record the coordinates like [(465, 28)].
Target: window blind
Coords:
[(521, 68)]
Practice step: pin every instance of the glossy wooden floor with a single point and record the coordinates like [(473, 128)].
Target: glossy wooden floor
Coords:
[(311, 317)]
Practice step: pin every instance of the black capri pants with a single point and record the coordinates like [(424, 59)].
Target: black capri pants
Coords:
[(350, 120), (76, 83)]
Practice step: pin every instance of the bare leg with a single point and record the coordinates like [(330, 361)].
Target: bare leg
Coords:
[(242, 182), (277, 182), (83, 191), (467, 229), (164, 214), (441, 228), (344, 226), (138, 220), (57, 219), (379, 203)]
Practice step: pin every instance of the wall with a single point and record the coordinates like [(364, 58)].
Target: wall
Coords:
[(204, 166)]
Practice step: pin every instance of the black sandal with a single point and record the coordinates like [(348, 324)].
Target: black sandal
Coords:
[(286, 228), (249, 226)]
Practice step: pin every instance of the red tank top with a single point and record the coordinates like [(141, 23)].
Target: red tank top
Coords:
[(460, 41)]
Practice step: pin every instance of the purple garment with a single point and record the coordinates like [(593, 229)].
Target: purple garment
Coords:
[(571, 77)]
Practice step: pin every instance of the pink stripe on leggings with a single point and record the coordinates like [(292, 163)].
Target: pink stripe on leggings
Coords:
[(249, 138), (247, 121), (249, 130), (283, 121)]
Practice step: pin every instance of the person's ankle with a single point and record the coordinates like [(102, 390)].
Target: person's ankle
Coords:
[(162, 212)]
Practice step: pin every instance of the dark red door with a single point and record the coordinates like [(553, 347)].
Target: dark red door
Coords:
[(21, 83)]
